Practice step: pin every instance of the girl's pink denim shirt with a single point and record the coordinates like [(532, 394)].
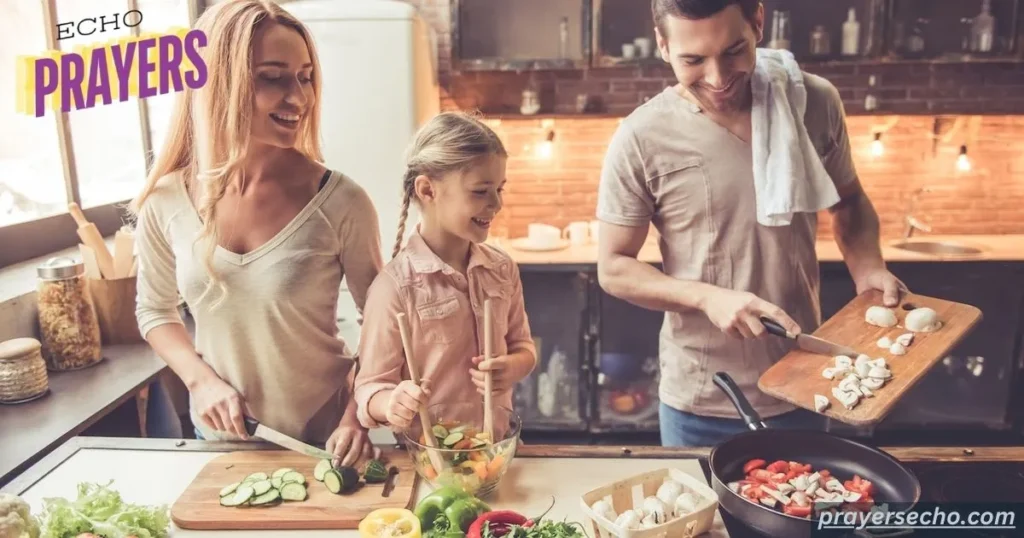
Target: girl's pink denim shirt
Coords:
[(445, 312)]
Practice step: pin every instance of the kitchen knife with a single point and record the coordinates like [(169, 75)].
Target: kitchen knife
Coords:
[(807, 342), (256, 429)]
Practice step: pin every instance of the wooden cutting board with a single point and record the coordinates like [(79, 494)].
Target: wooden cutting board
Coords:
[(798, 376), (198, 507)]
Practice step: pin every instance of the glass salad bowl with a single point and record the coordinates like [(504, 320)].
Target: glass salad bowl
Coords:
[(465, 457)]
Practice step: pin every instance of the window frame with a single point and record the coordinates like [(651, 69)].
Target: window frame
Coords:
[(48, 235)]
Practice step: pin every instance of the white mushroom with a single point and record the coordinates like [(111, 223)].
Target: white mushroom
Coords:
[(734, 486), (686, 503), (669, 491), (862, 359), (785, 488), (862, 369), (922, 320), (604, 508), (880, 316), (879, 362), (847, 398), (878, 372), (833, 484), (778, 496), (898, 349), (799, 482), (851, 496), (843, 362), (884, 342), (864, 391), (656, 510), (829, 373), (800, 498), (871, 383), (906, 339), (820, 405), (770, 502), (812, 488), (629, 520)]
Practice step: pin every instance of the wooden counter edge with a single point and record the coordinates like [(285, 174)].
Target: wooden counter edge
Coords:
[(53, 460)]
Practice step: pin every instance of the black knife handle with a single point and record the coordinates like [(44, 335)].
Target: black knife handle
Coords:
[(773, 327), (250, 425)]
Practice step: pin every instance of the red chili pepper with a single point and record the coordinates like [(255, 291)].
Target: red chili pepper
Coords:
[(753, 464)]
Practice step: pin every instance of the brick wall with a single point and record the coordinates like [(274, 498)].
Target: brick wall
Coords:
[(562, 187)]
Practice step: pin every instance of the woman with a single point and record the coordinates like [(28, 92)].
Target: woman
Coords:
[(242, 220)]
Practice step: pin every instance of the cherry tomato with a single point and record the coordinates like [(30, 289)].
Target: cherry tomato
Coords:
[(779, 467), (753, 464)]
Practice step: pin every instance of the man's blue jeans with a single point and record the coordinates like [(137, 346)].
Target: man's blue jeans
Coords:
[(681, 429)]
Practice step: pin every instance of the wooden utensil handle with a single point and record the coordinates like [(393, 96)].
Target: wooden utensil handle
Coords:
[(488, 378), (76, 213), (424, 414)]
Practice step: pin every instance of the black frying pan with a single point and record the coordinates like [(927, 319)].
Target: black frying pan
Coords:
[(894, 483)]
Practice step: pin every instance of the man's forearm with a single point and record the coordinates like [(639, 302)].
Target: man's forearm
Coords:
[(856, 229), (645, 286)]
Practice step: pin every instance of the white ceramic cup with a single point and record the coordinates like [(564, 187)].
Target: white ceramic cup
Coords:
[(629, 51), (643, 46), (577, 232), (542, 235)]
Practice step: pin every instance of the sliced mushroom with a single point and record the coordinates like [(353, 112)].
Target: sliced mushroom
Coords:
[(829, 373), (884, 342), (879, 373), (922, 320), (862, 359), (906, 339), (898, 349), (820, 405), (864, 391), (880, 316), (812, 488), (851, 496), (871, 383), (842, 361), (833, 484), (849, 399), (734, 486), (799, 482), (778, 496), (879, 362), (770, 502), (786, 489), (800, 498), (862, 369)]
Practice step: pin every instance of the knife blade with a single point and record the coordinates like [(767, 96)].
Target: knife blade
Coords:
[(807, 342), (256, 429)]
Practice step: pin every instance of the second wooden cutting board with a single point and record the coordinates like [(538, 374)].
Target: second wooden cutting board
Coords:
[(199, 507), (798, 376)]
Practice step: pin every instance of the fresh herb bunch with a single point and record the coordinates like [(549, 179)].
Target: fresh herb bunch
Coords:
[(542, 529)]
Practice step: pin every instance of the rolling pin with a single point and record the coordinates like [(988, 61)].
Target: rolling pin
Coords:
[(91, 238)]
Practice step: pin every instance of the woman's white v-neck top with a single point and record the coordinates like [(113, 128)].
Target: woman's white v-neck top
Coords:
[(274, 335)]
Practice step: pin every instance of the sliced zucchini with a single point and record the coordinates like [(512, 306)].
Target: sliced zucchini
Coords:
[(256, 477), (267, 498), (477, 443), (293, 492), (458, 429), (276, 482), (261, 487), (332, 479), (439, 431), (452, 439), (293, 477), (228, 490), (322, 467), (240, 496), (281, 472)]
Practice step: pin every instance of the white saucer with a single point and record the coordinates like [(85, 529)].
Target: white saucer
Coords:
[(523, 243)]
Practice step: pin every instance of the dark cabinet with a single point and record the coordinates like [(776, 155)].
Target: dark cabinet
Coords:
[(553, 397)]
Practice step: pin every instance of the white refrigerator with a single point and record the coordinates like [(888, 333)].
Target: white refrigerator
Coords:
[(379, 64)]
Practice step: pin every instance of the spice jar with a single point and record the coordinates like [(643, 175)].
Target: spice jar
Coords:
[(22, 371), (68, 328)]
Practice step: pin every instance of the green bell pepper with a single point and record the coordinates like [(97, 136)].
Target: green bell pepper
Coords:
[(448, 512)]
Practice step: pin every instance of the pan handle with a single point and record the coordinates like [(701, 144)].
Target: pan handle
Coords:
[(728, 386)]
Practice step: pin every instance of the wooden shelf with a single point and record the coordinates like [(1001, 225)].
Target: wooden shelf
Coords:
[(550, 116)]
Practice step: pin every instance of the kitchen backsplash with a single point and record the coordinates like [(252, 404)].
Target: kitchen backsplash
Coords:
[(557, 183)]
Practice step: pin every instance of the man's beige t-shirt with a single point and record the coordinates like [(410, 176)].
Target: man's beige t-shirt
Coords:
[(671, 165), (274, 337)]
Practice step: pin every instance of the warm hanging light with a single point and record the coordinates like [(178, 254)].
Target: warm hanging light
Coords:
[(546, 148), (877, 148), (963, 163)]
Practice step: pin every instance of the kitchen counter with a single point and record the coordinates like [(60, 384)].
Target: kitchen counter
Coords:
[(993, 247), (156, 471)]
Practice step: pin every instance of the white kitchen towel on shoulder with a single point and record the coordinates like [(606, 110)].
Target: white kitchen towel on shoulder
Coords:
[(788, 174)]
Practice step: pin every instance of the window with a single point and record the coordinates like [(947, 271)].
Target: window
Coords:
[(96, 157)]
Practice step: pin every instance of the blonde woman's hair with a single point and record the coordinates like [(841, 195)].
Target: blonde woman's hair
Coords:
[(210, 127), (449, 142)]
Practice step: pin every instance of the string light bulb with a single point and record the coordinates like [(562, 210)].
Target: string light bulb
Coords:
[(547, 148), (963, 163), (877, 147)]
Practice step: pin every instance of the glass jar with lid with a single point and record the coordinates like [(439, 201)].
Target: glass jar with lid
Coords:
[(68, 328)]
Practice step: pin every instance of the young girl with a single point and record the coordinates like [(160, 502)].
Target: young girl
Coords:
[(440, 280)]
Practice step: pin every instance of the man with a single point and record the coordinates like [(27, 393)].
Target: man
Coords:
[(683, 161)]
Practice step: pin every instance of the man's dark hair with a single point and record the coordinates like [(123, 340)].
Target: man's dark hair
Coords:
[(697, 9)]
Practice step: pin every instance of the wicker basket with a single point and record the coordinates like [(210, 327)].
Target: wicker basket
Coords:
[(22, 370), (630, 493)]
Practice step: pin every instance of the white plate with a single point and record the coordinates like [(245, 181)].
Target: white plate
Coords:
[(523, 243)]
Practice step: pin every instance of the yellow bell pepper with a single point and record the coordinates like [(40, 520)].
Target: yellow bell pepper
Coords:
[(390, 523)]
